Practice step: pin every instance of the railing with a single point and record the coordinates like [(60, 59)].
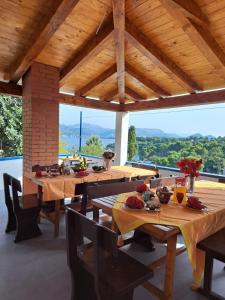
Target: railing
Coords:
[(163, 169), (172, 170)]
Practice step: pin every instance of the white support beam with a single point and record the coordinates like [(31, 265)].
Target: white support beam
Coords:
[(122, 124)]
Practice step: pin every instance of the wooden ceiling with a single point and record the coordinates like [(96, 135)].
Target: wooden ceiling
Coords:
[(129, 52)]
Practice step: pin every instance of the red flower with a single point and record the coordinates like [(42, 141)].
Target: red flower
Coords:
[(190, 166)]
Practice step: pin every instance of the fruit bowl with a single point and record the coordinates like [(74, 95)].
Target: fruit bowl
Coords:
[(79, 168)]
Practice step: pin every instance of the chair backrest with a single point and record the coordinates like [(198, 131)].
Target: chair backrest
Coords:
[(11, 182), (82, 187), (221, 180), (162, 181), (16, 189), (7, 185), (103, 241), (111, 189)]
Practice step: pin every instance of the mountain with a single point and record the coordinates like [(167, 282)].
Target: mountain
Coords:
[(107, 133), (70, 134), (87, 130)]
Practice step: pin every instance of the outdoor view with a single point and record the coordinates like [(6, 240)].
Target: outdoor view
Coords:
[(157, 137)]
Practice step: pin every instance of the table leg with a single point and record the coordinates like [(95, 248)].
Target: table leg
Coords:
[(170, 267), (56, 218)]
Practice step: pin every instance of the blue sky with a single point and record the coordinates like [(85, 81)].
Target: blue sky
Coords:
[(207, 119)]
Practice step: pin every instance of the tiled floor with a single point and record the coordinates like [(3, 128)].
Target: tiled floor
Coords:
[(37, 269)]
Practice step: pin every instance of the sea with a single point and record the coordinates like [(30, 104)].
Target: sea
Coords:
[(73, 141)]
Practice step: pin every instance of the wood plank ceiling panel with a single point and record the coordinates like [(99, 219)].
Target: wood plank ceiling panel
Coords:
[(91, 69), (83, 22), (169, 36), (106, 86), (18, 24), (142, 63), (141, 89)]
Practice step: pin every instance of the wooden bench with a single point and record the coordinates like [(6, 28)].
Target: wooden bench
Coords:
[(214, 247)]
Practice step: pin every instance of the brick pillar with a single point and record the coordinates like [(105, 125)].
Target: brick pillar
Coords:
[(40, 117)]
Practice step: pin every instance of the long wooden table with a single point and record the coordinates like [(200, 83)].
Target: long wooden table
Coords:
[(60, 187)]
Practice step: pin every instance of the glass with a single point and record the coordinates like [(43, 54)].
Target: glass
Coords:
[(180, 195)]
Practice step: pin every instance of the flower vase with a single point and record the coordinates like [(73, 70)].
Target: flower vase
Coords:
[(107, 164), (191, 184)]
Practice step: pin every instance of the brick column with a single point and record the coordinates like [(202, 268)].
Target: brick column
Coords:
[(40, 117)]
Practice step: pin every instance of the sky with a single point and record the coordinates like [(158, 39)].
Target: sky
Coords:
[(204, 119)]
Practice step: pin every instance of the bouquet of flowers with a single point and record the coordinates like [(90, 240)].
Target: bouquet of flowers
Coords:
[(108, 155), (190, 166)]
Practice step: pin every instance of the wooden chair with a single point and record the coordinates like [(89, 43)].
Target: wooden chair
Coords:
[(112, 189), (26, 210), (11, 222), (99, 270), (221, 180), (214, 247), (83, 204), (155, 182)]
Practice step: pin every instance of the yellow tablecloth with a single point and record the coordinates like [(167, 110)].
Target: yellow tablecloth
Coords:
[(61, 187), (194, 225)]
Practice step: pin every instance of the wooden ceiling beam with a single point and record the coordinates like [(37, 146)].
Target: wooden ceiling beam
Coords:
[(178, 101), (97, 80), (119, 38), (136, 96), (200, 36), (158, 91), (91, 49), (190, 9), (161, 60), (10, 88), (41, 38), (88, 103)]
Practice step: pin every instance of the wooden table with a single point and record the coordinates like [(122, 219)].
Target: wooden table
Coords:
[(190, 224), (166, 234), (65, 186)]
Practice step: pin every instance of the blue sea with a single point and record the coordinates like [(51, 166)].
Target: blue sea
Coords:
[(73, 141)]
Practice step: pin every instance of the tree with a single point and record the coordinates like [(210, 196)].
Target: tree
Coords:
[(62, 147), (132, 143), (93, 146), (11, 125)]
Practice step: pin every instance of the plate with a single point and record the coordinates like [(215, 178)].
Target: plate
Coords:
[(101, 171), (141, 209)]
